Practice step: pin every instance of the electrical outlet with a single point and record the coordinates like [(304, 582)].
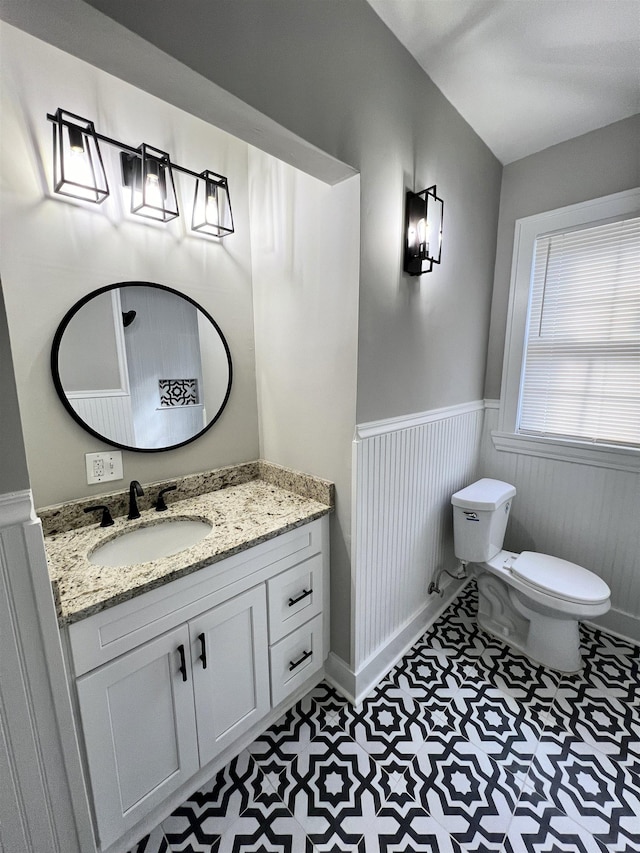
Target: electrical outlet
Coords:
[(104, 466)]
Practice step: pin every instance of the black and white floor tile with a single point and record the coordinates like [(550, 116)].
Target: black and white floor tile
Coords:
[(464, 746)]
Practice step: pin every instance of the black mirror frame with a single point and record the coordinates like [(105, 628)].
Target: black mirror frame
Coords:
[(55, 372)]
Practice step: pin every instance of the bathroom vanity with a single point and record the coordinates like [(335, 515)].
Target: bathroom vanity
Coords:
[(176, 664)]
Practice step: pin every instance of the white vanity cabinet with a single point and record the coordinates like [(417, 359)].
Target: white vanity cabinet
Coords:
[(168, 681)]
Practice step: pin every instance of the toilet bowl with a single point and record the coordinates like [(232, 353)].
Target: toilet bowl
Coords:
[(532, 602)]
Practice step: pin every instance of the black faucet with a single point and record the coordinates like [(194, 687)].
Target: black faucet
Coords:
[(134, 489)]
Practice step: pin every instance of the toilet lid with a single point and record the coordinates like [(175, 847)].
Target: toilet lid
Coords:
[(560, 578)]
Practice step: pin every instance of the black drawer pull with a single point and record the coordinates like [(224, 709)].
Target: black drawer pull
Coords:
[(303, 594), (293, 665), (183, 662), (203, 652)]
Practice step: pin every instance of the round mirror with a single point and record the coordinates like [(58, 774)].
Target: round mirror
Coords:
[(141, 366)]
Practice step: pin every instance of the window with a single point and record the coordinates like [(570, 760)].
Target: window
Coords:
[(571, 378)]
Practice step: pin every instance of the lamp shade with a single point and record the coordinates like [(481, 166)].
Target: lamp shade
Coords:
[(78, 170), (212, 205)]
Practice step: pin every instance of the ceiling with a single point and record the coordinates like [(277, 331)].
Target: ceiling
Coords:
[(526, 74)]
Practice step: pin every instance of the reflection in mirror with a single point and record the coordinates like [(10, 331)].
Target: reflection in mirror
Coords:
[(141, 366)]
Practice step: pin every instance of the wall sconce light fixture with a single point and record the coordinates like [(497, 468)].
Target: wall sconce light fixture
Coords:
[(423, 231), (146, 171)]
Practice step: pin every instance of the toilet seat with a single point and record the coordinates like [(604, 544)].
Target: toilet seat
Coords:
[(560, 578)]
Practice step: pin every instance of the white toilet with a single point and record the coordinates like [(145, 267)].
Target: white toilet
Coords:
[(531, 601)]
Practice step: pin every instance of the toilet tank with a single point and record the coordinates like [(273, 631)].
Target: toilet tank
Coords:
[(480, 515)]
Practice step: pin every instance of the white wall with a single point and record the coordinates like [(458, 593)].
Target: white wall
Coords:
[(54, 252), (305, 255)]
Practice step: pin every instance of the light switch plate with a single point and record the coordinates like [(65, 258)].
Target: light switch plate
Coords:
[(103, 466)]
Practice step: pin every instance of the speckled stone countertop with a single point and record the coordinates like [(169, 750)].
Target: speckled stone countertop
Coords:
[(242, 514)]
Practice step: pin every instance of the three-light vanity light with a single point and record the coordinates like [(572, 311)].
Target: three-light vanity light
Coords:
[(147, 172)]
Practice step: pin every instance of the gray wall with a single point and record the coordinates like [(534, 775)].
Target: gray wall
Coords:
[(14, 476), (332, 73), (596, 164)]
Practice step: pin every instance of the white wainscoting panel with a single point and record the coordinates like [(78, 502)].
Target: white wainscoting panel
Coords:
[(109, 415), (43, 800), (582, 513), (405, 471)]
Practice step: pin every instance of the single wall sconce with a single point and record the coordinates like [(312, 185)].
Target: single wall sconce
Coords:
[(146, 171), (423, 231)]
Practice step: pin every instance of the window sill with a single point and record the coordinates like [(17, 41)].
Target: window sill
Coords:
[(617, 458)]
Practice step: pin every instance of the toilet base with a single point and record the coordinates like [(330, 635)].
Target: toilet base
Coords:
[(550, 640)]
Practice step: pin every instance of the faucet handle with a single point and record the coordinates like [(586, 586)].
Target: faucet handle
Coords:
[(106, 520), (161, 504)]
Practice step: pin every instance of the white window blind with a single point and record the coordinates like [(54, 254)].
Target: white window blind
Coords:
[(581, 370)]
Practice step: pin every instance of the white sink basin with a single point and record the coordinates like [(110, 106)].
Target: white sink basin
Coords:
[(151, 542)]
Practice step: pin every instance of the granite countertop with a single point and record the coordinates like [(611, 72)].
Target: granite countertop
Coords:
[(241, 515)]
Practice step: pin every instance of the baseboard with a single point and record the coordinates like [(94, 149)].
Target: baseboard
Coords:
[(619, 623), (354, 686)]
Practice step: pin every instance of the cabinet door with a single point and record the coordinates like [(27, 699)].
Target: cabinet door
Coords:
[(139, 727), (229, 647)]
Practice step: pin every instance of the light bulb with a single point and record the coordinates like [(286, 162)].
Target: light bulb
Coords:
[(77, 166), (152, 193), (422, 230), (211, 208), (76, 141)]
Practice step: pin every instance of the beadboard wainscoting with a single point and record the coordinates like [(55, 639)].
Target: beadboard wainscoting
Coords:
[(583, 513), (43, 801), (404, 473), (108, 414)]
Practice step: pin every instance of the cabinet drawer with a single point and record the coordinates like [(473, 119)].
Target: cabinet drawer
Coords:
[(295, 659), (295, 596)]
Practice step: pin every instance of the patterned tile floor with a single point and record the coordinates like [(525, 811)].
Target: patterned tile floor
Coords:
[(465, 746)]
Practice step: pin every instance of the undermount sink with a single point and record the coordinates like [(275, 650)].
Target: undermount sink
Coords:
[(151, 542)]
